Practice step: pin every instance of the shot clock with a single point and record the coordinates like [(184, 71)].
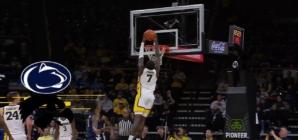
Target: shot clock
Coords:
[(236, 36)]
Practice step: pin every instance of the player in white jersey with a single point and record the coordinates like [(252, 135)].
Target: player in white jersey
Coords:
[(146, 85), (12, 117), (65, 131)]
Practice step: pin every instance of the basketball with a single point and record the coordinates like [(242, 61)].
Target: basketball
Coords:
[(149, 35)]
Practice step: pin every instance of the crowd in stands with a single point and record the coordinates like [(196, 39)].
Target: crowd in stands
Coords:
[(276, 98)]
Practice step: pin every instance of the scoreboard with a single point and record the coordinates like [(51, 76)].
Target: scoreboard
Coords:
[(236, 36)]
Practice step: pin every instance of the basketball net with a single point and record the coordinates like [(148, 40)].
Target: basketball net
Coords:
[(151, 55)]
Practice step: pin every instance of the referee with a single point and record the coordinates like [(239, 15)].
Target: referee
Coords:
[(124, 125)]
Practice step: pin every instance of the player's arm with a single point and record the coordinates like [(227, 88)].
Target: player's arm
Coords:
[(5, 128), (29, 125), (1, 112), (3, 124), (56, 132), (157, 56), (141, 57), (94, 124), (106, 120)]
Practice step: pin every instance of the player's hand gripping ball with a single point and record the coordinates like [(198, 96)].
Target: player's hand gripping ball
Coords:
[(149, 35)]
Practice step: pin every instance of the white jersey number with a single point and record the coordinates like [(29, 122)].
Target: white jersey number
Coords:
[(14, 115), (64, 128), (149, 77)]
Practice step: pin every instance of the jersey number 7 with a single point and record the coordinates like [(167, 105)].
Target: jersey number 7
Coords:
[(150, 76)]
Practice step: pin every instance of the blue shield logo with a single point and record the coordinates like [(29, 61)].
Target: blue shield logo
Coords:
[(46, 77)]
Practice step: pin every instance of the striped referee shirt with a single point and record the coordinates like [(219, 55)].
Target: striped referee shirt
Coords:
[(125, 127)]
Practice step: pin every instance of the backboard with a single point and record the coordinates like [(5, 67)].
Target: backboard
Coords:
[(179, 27)]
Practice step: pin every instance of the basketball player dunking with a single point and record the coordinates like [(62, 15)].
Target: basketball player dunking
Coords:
[(146, 86), (65, 131), (12, 117)]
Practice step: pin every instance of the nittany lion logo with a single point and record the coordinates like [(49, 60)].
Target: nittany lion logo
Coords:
[(46, 77)]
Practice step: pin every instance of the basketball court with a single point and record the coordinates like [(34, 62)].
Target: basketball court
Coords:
[(179, 29)]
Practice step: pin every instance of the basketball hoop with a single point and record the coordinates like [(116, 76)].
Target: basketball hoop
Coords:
[(150, 49)]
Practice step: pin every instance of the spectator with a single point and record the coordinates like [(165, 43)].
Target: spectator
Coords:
[(83, 83), (264, 93), (179, 76), (215, 119), (178, 136), (122, 86), (52, 128), (119, 109), (289, 79), (219, 103), (81, 50), (112, 96), (105, 59), (131, 98), (282, 135), (76, 108), (171, 98), (284, 108), (133, 85), (223, 86), (89, 94), (186, 134), (72, 97), (120, 99), (158, 104), (96, 86), (266, 85), (106, 106), (265, 75), (273, 116), (176, 84), (282, 105), (79, 73), (209, 135), (262, 107), (290, 95), (160, 133), (97, 76), (278, 85), (144, 135), (46, 135)]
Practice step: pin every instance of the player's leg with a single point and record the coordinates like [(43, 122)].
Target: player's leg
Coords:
[(148, 106), (138, 111)]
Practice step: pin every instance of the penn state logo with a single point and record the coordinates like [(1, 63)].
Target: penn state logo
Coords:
[(46, 77)]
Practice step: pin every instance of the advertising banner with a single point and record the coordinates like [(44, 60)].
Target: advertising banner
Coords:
[(218, 47), (237, 125), (198, 58)]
